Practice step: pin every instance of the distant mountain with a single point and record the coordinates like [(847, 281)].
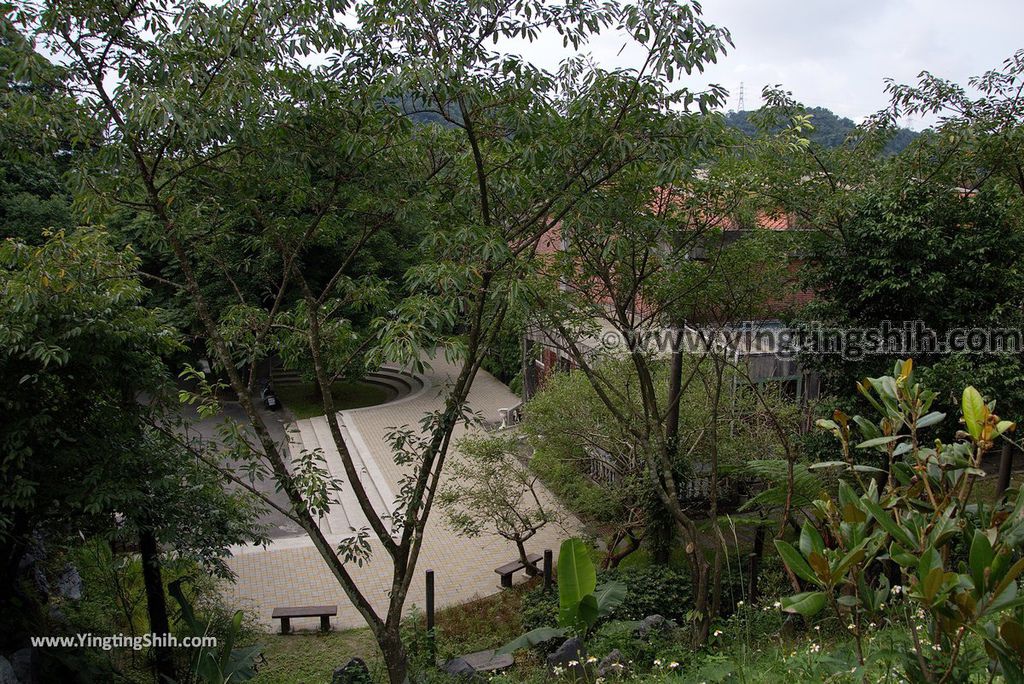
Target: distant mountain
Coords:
[(830, 130)]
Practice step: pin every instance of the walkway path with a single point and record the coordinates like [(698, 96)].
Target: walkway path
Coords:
[(291, 572)]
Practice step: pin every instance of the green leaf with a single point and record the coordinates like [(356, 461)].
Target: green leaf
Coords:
[(576, 579), (824, 465), (895, 530), (609, 597), (808, 603), (810, 540), (852, 557), (795, 562), (532, 638), (930, 419), (974, 411), (879, 441), (980, 558)]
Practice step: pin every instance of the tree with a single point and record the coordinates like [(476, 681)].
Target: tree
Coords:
[(32, 197), (199, 86), (489, 492), (829, 130), (85, 396), (628, 270), (931, 235)]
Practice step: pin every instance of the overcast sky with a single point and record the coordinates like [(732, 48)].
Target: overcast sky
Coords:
[(836, 54)]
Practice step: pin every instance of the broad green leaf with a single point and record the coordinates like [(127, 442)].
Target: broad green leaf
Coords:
[(980, 558), (852, 557), (879, 441), (974, 411), (532, 638), (609, 597), (894, 529), (808, 603), (824, 465), (795, 562), (576, 579), (930, 419), (810, 540)]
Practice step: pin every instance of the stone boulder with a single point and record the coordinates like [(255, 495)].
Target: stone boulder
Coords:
[(354, 671)]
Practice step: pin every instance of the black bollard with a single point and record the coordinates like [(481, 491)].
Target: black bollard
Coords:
[(547, 569), (430, 612)]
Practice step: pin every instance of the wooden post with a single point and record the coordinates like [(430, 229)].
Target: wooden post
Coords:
[(1005, 467), (752, 577), (430, 612), (753, 562), (430, 600), (547, 569)]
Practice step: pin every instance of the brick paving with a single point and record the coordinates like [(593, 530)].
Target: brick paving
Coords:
[(290, 572)]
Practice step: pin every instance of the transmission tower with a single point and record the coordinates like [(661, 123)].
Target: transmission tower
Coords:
[(740, 106)]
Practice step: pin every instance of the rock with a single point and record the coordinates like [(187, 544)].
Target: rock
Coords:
[(611, 665), (7, 672), (352, 672), (460, 667), (23, 663), (653, 623), (570, 656), (69, 584)]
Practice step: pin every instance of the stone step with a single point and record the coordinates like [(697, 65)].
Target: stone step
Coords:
[(335, 522)]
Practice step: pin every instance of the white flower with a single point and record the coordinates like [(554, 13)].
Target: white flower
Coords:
[(851, 626), (657, 662), (739, 604), (777, 604), (573, 663), (673, 664), (718, 633), (897, 589), (558, 670), (815, 648), (817, 628), (592, 659)]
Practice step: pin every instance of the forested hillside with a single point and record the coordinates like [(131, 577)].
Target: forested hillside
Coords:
[(830, 130)]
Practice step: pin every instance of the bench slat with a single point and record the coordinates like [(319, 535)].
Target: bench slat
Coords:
[(304, 611)]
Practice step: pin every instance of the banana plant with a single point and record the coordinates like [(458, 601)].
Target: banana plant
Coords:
[(581, 602), (224, 662)]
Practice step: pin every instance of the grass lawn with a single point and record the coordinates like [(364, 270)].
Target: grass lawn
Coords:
[(985, 488), (304, 401), (311, 657)]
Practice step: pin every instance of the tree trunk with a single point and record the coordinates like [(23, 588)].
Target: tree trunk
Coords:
[(156, 604), (660, 526), (396, 660)]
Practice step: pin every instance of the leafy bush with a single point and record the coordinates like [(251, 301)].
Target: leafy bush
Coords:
[(652, 590), (912, 519)]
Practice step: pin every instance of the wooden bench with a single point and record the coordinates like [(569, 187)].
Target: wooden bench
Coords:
[(285, 615), (508, 569)]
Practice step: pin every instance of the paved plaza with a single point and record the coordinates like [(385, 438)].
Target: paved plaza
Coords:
[(290, 572)]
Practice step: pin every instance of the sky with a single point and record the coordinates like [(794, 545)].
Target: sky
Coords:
[(837, 54)]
